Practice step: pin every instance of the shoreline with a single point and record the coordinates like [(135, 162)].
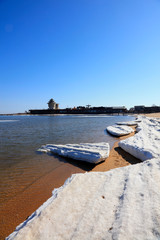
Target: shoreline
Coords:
[(117, 157), (20, 207), (16, 210)]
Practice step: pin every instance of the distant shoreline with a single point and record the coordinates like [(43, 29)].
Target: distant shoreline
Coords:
[(13, 114), (28, 114), (156, 114)]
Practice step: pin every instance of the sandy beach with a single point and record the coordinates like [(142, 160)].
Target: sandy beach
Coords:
[(154, 115), (17, 209)]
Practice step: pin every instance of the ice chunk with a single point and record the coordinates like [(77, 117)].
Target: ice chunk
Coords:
[(119, 204), (89, 152), (119, 130), (146, 143), (130, 123)]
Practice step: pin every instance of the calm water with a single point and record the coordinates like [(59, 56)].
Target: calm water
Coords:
[(21, 136)]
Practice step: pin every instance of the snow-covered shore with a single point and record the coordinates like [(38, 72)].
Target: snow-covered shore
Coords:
[(146, 143), (122, 204), (119, 204)]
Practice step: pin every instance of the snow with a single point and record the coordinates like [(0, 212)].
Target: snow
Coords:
[(119, 130), (146, 143), (89, 152), (121, 204), (130, 123)]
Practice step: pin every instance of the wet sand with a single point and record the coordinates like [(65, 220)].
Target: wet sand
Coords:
[(117, 158), (17, 209)]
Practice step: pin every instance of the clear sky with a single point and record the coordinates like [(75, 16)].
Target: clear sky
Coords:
[(79, 52)]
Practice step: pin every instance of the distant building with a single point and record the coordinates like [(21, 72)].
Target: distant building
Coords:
[(52, 104), (53, 108), (139, 109), (144, 109)]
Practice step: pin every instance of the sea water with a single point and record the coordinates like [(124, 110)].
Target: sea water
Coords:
[(21, 136)]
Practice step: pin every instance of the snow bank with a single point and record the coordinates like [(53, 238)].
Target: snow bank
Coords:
[(122, 204), (119, 130), (89, 152), (146, 143)]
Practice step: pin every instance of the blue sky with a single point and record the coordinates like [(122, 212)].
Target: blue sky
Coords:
[(97, 52)]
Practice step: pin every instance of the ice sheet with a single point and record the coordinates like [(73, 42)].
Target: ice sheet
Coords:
[(89, 152), (118, 131), (130, 123)]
